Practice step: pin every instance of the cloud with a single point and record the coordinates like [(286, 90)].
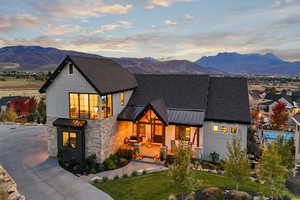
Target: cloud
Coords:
[(163, 3), (44, 41), (110, 27), (79, 8), (9, 23), (188, 17), (281, 3), (62, 29), (169, 22)]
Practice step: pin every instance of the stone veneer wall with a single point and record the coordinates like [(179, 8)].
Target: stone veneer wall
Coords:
[(102, 137), (52, 137)]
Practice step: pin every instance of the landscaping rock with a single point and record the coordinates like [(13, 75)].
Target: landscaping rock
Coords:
[(238, 195), (96, 179), (212, 193)]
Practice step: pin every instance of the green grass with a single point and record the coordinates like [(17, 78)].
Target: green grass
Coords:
[(156, 186)]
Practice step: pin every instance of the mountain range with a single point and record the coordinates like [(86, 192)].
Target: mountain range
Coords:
[(260, 64), (36, 58)]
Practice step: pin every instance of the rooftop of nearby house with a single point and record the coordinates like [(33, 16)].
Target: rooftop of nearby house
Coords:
[(5, 100), (176, 98)]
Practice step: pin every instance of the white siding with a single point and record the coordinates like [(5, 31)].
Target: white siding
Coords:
[(217, 141), (57, 95), (117, 107)]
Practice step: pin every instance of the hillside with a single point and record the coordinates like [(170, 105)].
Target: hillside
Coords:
[(36, 58), (260, 64)]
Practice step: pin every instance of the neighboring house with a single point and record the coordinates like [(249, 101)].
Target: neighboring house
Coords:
[(94, 106), (5, 102), (296, 119)]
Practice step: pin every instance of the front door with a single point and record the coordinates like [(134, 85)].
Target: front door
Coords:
[(70, 144), (157, 133)]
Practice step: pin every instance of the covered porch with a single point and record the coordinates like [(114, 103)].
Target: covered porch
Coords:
[(151, 133)]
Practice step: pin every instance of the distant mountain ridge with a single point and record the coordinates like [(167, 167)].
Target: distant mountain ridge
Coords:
[(36, 58), (260, 64)]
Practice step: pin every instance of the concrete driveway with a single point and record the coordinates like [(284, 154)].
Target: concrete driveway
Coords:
[(23, 153)]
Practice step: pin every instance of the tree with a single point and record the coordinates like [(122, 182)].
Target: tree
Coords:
[(254, 115), (236, 164), (10, 115), (272, 171), (181, 171), (286, 150), (280, 115), (41, 109)]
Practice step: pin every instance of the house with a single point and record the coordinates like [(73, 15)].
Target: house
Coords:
[(94, 106), (296, 119)]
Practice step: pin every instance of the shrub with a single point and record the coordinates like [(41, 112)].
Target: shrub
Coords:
[(215, 157), (170, 159), (212, 193), (116, 177), (10, 115), (125, 175), (104, 178), (93, 171), (144, 171), (109, 164), (91, 161), (135, 173), (123, 161), (31, 117), (125, 153)]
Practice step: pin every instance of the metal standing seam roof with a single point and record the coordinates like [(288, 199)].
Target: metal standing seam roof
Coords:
[(70, 122)]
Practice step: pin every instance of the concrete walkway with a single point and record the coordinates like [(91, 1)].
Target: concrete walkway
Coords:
[(128, 169), (23, 153)]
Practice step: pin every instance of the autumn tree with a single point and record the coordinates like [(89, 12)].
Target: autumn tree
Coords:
[(279, 116), (272, 171), (181, 171), (236, 164)]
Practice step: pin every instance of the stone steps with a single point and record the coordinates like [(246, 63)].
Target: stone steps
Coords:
[(149, 160)]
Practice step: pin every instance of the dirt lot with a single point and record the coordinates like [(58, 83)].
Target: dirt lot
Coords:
[(20, 87)]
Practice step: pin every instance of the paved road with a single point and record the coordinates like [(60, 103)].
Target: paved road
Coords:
[(23, 153)]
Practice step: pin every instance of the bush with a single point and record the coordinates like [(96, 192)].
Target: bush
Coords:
[(144, 171), (109, 164), (104, 178), (91, 161), (10, 115), (31, 117), (116, 177), (93, 171), (135, 173), (125, 175), (123, 161), (215, 157), (212, 193), (170, 159), (125, 153)]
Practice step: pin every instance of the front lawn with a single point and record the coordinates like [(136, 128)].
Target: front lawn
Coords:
[(156, 186)]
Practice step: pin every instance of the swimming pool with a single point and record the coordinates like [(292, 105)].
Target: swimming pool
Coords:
[(272, 135)]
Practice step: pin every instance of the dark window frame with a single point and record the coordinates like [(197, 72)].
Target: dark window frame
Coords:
[(69, 140), (178, 136), (78, 111), (71, 68), (107, 114)]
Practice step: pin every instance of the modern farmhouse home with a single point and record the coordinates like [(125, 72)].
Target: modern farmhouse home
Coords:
[(94, 106)]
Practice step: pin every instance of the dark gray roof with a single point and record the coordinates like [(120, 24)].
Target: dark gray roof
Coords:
[(228, 100), (297, 118), (159, 107), (105, 75), (7, 99), (267, 103), (188, 98), (272, 96), (70, 123)]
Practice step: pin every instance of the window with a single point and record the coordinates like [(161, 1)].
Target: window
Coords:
[(107, 106), (84, 106), (234, 130), (215, 128), (122, 98), (182, 133), (224, 129), (70, 68), (69, 139), (150, 117), (141, 129)]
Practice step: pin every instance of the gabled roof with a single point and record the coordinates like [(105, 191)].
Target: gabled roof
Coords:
[(191, 97), (104, 75), (228, 100)]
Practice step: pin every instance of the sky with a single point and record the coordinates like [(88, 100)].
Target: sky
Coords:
[(162, 29)]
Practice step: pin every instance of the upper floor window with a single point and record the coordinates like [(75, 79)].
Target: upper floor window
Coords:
[(224, 129), (70, 68), (122, 98), (182, 133), (84, 106), (107, 106), (234, 129)]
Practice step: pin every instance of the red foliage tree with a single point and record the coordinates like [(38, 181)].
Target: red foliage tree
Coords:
[(23, 105), (280, 115), (254, 114)]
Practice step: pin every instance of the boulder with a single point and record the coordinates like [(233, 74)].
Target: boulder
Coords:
[(212, 193)]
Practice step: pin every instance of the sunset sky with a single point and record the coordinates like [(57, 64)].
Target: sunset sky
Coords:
[(178, 29)]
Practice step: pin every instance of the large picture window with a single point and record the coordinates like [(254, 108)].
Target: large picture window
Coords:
[(107, 106), (84, 106), (183, 133)]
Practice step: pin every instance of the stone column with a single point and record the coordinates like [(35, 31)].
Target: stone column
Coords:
[(52, 137), (164, 150)]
